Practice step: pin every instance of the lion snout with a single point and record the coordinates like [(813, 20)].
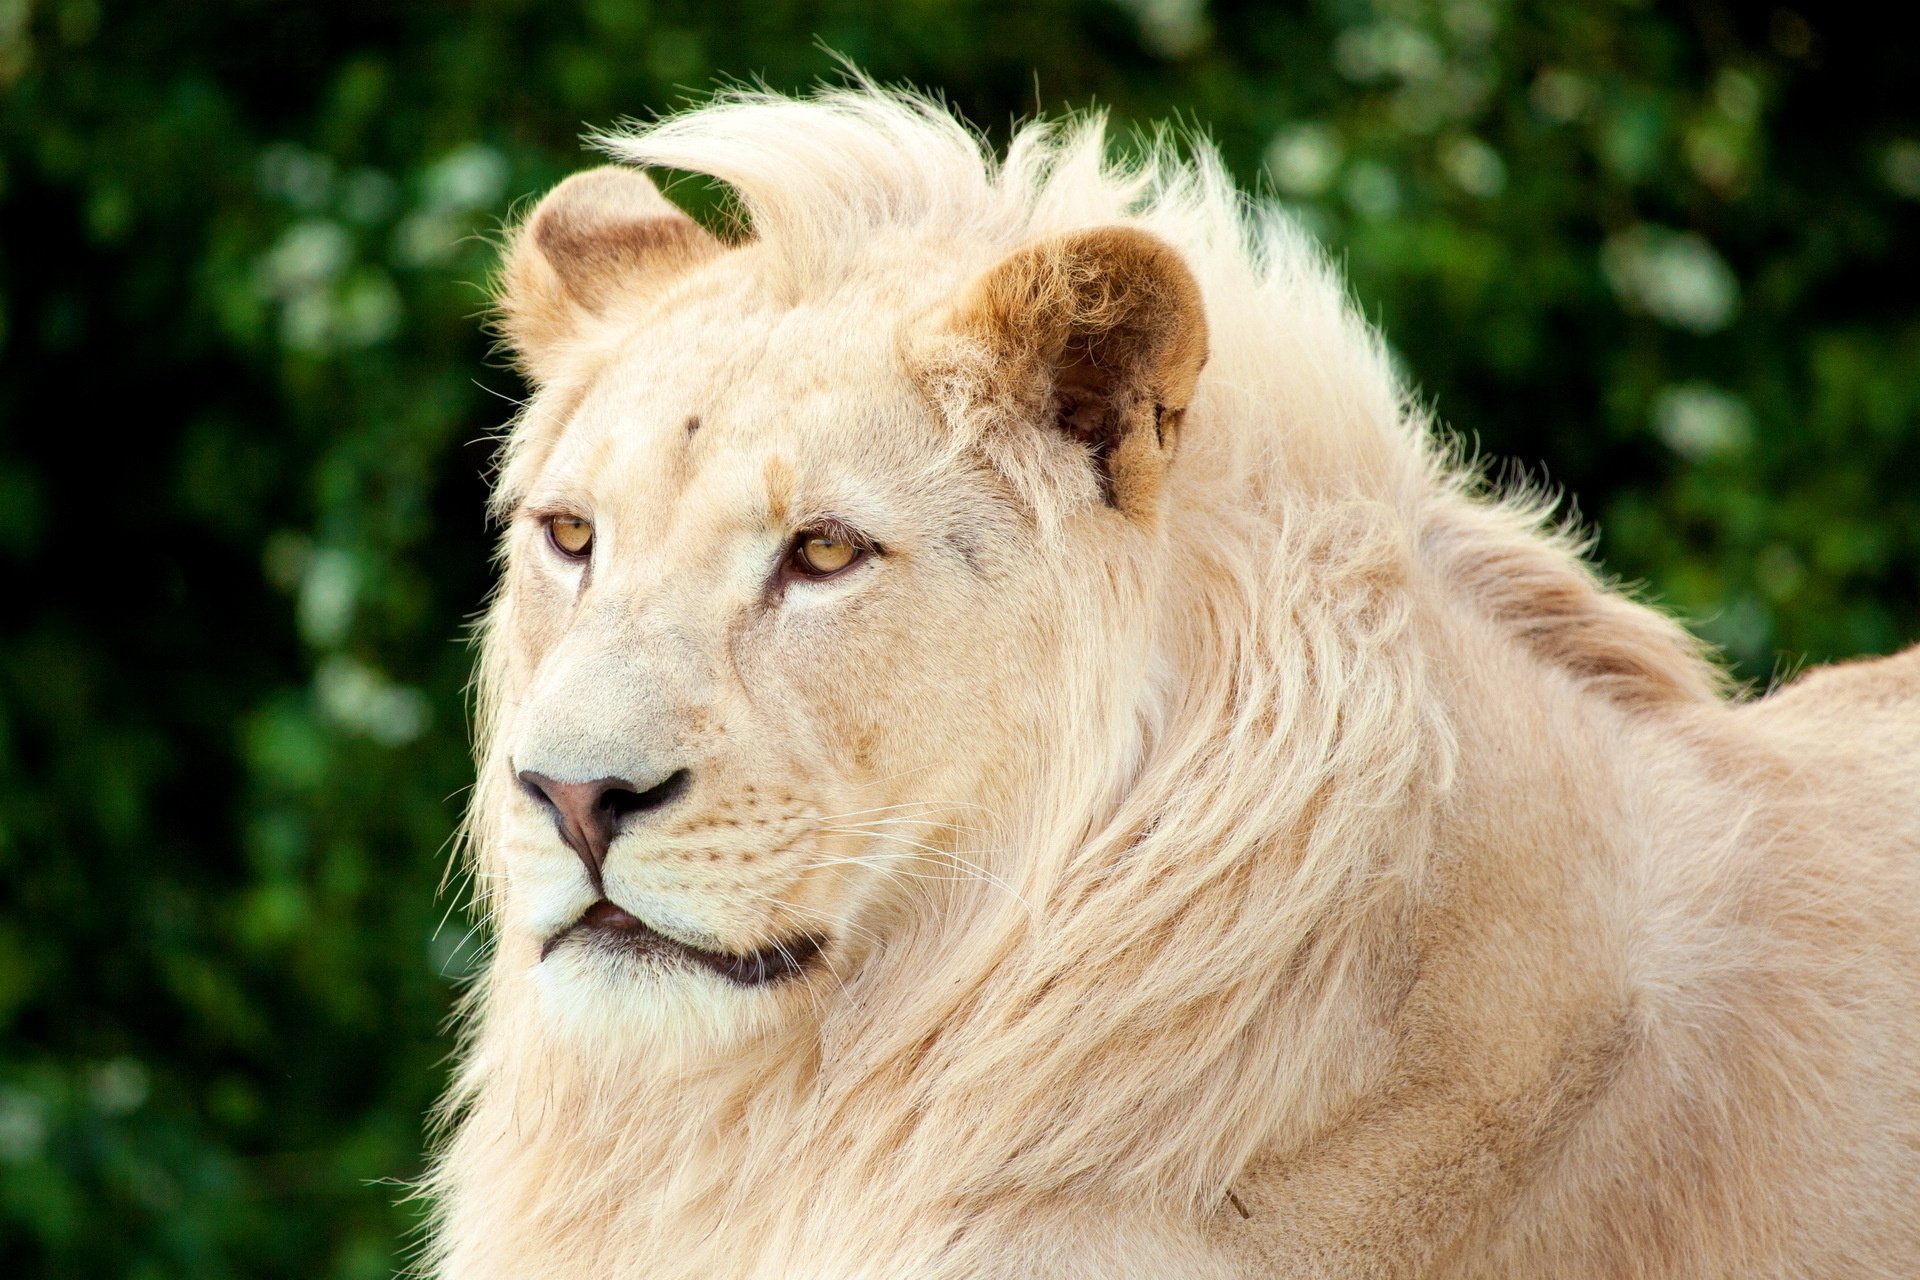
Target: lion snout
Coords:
[(590, 814)]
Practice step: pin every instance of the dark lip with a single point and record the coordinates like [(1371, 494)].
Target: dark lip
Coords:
[(605, 925)]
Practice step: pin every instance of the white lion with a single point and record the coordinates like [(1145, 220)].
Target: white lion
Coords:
[(1008, 750)]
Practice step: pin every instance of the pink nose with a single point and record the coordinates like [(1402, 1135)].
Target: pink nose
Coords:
[(590, 814)]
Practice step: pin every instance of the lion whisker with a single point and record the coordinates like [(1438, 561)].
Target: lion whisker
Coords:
[(958, 858)]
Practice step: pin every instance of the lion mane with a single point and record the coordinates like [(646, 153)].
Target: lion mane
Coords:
[(1435, 909)]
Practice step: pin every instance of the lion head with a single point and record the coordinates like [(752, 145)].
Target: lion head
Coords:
[(978, 687), (803, 589)]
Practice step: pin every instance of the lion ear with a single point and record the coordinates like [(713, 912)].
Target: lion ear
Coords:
[(1095, 338), (597, 240)]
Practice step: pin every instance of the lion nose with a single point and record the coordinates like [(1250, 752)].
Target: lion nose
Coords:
[(591, 814)]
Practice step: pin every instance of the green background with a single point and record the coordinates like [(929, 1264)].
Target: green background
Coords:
[(1660, 257)]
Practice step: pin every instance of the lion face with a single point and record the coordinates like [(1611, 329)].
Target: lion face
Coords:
[(783, 631), (775, 731)]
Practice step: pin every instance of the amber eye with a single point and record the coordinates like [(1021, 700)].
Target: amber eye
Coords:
[(570, 535), (819, 553)]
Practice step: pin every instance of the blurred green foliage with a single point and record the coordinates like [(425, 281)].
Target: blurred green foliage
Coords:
[(1660, 256)]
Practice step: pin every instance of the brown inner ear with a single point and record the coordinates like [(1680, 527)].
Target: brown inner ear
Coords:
[(1085, 408), (595, 258), (1134, 343), (1097, 338)]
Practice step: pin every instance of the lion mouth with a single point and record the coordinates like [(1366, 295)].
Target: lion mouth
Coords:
[(610, 927)]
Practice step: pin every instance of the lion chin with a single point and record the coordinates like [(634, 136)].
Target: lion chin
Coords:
[(620, 987), (1009, 749)]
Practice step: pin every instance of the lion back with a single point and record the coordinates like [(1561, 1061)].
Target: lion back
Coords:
[(1853, 732)]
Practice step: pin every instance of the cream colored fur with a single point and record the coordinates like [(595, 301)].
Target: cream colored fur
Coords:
[(1290, 861)]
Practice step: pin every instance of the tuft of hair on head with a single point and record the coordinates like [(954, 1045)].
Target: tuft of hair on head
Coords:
[(818, 177)]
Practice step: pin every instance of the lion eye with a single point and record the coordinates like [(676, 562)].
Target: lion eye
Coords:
[(819, 553), (571, 536)]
